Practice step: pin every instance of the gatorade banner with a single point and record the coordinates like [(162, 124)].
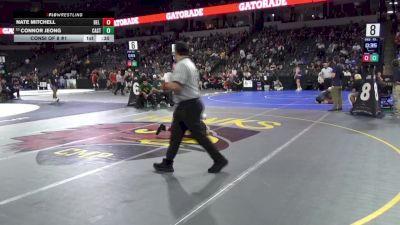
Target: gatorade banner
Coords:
[(368, 101), (211, 11), (134, 94), (199, 12)]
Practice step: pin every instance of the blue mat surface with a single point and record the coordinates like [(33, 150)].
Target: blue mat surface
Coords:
[(304, 100)]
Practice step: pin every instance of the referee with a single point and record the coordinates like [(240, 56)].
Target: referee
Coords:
[(184, 82)]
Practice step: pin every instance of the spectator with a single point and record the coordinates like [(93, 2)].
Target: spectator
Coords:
[(337, 77), (396, 88), (146, 94), (397, 40), (17, 86), (4, 93), (120, 83), (113, 80), (95, 79), (297, 76), (53, 81), (237, 84), (62, 82), (326, 75), (278, 85)]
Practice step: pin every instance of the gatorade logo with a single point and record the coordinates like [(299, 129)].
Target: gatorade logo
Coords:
[(253, 5), (126, 21), (185, 14)]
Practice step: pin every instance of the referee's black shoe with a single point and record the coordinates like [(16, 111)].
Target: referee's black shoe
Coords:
[(161, 128), (218, 166), (166, 166)]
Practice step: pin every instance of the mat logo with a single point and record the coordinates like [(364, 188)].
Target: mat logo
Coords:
[(115, 142), (82, 153), (163, 139), (241, 123)]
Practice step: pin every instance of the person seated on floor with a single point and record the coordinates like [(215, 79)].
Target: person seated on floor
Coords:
[(159, 93), (3, 90), (9, 87), (237, 84), (228, 84), (325, 97), (383, 87), (278, 85), (17, 85), (356, 88), (146, 95)]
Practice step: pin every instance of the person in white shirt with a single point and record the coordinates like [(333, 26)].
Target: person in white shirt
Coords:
[(347, 73), (326, 75), (120, 84), (234, 72), (297, 76), (247, 75), (278, 85), (242, 54), (249, 56)]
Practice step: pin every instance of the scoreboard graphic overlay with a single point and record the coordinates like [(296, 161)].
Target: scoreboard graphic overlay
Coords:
[(63, 26)]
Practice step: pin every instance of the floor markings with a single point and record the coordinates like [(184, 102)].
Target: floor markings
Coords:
[(246, 173)]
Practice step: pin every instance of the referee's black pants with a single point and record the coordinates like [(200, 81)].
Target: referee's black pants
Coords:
[(187, 115)]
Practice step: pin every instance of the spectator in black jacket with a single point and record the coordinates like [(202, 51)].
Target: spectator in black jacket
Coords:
[(337, 82)]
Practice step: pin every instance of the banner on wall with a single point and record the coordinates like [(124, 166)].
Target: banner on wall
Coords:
[(211, 11), (200, 12)]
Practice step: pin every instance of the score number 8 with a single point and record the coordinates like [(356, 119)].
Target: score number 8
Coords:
[(365, 93), (373, 30)]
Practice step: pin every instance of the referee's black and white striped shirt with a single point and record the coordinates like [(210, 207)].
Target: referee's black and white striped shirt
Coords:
[(186, 74)]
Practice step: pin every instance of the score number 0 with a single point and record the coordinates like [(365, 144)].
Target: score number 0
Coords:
[(108, 21)]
